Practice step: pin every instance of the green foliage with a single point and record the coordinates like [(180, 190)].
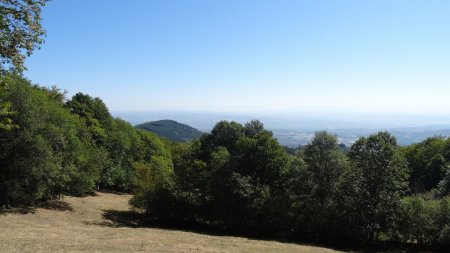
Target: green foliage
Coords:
[(381, 182), (240, 178), (40, 154), (428, 163), (154, 175), (95, 115), (122, 143), (232, 175), (423, 221), (317, 191), (49, 147), (246, 188), (154, 187), (20, 31), (6, 113)]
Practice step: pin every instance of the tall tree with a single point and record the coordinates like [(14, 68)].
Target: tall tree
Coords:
[(325, 165), (381, 182)]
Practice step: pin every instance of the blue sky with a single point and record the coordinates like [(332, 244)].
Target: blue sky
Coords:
[(250, 56)]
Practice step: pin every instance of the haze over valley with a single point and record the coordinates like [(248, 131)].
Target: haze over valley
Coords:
[(294, 129)]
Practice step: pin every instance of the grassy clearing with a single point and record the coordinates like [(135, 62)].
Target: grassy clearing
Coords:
[(94, 224)]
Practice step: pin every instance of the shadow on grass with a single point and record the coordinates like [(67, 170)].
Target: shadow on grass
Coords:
[(113, 192), (133, 219), (56, 205), (91, 194), (18, 210), (116, 218)]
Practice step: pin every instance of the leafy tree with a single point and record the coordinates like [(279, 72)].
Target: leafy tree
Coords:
[(423, 221), (21, 31), (122, 143), (95, 114), (427, 163), (109, 141), (192, 181), (224, 134), (154, 188), (417, 220), (252, 128), (318, 194), (154, 176), (381, 182), (252, 182), (150, 145), (39, 156)]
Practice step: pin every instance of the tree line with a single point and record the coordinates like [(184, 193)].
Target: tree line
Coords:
[(51, 145), (239, 178)]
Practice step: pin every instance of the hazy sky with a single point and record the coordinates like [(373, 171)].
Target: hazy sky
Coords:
[(250, 56)]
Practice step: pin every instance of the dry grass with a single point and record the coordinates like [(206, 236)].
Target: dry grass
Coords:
[(88, 225)]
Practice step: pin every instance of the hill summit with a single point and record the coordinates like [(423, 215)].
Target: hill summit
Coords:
[(171, 130)]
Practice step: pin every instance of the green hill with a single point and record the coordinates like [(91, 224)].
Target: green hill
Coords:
[(171, 130)]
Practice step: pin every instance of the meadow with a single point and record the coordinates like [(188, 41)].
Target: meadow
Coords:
[(89, 224)]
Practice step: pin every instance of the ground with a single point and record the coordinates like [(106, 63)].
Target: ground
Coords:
[(93, 224)]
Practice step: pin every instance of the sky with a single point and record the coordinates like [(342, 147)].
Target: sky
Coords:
[(379, 56)]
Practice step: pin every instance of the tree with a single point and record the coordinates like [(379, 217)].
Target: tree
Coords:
[(39, 157), (325, 164), (110, 141), (248, 189), (417, 218), (6, 113), (154, 187), (233, 176), (427, 163), (423, 220), (381, 182), (21, 31), (93, 109), (318, 194), (252, 128), (224, 134)]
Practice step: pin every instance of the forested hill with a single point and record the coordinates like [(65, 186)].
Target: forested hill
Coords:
[(171, 130)]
